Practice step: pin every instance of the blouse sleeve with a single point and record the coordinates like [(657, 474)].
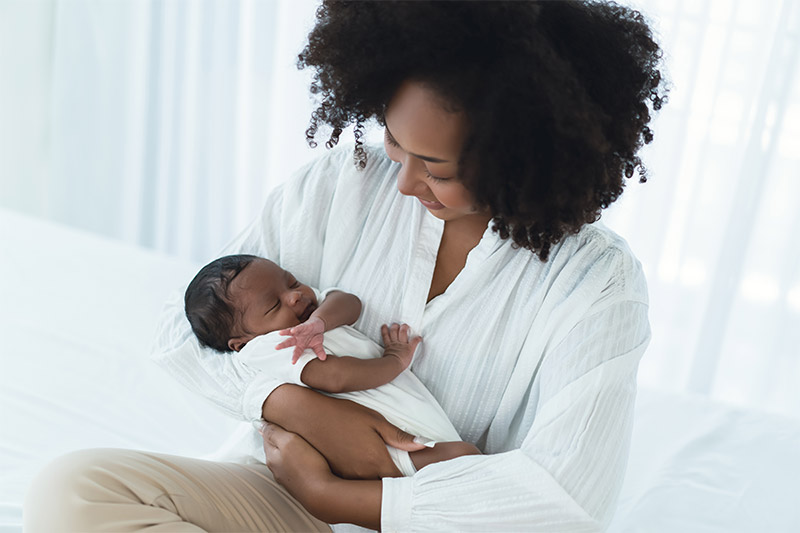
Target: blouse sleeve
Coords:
[(567, 472), (285, 232)]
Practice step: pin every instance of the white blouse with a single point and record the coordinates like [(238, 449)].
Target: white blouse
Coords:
[(534, 362)]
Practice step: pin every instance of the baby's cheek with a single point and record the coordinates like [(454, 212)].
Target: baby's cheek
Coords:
[(291, 319)]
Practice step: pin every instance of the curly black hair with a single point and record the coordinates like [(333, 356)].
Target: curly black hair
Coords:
[(557, 96), (207, 304)]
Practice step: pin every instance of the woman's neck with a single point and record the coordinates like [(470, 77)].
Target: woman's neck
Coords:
[(458, 238)]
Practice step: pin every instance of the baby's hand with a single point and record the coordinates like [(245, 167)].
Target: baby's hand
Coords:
[(396, 343), (305, 335)]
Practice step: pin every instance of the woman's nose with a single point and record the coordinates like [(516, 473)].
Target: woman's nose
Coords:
[(409, 180)]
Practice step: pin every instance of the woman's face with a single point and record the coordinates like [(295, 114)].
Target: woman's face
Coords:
[(426, 140)]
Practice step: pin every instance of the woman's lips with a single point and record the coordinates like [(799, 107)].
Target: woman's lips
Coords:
[(431, 205)]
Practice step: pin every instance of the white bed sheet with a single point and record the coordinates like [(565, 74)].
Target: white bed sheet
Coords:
[(698, 466), (77, 318), (77, 315)]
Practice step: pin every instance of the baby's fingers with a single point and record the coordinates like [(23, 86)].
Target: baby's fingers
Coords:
[(399, 333), (321, 355), (402, 333), (297, 353), (389, 333), (291, 341), (414, 343), (395, 333)]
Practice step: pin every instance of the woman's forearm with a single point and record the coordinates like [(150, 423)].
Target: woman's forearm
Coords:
[(348, 501), (305, 473)]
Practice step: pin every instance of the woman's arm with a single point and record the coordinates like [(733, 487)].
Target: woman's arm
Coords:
[(566, 473), (442, 451), (352, 437), (306, 475)]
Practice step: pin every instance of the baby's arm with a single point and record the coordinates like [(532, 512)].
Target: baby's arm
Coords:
[(337, 309), (346, 374)]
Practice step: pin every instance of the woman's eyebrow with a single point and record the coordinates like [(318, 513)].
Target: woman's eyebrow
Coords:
[(423, 157)]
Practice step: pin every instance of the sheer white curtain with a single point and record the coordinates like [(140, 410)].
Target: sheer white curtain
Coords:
[(717, 227), (159, 123), (165, 123)]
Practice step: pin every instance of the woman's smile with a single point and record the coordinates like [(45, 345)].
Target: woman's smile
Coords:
[(434, 206)]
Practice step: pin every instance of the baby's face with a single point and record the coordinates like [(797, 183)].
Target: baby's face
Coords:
[(267, 298)]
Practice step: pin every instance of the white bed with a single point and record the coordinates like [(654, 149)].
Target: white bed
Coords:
[(78, 315)]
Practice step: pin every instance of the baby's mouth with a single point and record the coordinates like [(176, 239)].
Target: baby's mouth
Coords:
[(307, 312)]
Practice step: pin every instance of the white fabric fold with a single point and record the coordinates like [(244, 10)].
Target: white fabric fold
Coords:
[(535, 362)]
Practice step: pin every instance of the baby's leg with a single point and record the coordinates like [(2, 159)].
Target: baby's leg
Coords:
[(442, 451)]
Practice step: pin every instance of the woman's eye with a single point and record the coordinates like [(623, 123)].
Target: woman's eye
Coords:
[(390, 139), (434, 178)]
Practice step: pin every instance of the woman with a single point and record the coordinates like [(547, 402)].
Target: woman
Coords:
[(508, 127)]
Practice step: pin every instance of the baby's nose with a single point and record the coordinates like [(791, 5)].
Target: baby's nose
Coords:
[(294, 297)]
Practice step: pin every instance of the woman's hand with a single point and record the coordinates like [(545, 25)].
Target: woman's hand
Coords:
[(296, 465), (351, 437), (309, 335), (302, 471)]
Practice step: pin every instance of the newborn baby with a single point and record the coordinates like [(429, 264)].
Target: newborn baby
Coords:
[(245, 304)]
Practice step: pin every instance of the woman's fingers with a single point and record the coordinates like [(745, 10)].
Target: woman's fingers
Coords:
[(275, 437), (268, 436), (394, 436)]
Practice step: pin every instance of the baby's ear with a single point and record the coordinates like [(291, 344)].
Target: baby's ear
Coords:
[(237, 343)]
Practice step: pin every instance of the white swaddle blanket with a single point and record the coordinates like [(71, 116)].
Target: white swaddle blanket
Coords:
[(405, 401)]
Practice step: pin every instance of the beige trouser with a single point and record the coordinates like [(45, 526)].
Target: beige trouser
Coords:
[(126, 490)]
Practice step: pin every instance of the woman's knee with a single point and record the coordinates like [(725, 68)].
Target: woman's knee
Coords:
[(62, 491)]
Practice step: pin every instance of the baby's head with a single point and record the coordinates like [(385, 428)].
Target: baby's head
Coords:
[(236, 298)]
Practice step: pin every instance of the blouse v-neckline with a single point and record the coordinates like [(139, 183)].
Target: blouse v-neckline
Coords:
[(479, 252), (416, 308)]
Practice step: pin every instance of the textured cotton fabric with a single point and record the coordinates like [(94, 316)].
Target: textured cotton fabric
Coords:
[(404, 401), (535, 362)]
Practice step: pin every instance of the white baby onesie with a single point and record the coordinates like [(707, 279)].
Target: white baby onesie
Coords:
[(405, 401)]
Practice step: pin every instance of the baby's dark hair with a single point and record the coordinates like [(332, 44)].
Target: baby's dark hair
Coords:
[(557, 95), (207, 303)]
